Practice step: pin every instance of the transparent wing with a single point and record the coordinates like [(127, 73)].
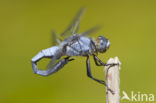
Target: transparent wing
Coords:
[(51, 63), (55, 38), (90, 31), (54, 60), (74, 25)]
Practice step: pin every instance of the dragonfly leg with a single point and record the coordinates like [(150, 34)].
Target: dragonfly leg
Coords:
[(98, 62), (96, 59), (89, 74)]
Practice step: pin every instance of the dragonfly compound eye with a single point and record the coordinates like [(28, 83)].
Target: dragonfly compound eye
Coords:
[(102, 44)]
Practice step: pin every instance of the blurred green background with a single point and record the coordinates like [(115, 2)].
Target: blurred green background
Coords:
[(25, 29)]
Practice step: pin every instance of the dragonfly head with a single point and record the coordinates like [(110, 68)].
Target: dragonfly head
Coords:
[(102, 44)]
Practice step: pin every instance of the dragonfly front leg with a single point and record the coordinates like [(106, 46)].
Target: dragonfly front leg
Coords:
[(96, 60)]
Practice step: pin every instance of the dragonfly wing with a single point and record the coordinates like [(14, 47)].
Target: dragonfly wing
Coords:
[(55, 38), (51, 63), (74, 25), (90, 31)]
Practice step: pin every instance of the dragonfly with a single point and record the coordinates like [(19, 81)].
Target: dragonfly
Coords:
[(74, 44)]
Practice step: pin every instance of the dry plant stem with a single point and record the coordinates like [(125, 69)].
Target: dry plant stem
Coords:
[(113, 80)]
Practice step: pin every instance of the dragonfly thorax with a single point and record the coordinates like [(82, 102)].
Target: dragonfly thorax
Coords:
[(80, 47)]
